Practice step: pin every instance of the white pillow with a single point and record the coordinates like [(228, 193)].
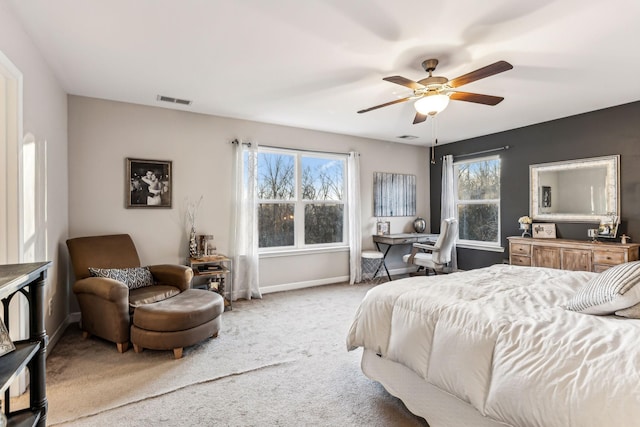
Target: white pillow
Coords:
[(612, 290), (136, 277)]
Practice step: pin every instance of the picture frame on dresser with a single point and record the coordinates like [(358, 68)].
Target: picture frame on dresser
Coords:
[(609, 228), (544, 230)]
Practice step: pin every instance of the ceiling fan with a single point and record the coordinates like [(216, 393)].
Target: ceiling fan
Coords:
[(433, 93)]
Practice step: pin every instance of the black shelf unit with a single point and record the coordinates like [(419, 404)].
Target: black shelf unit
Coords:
[(27, 279)]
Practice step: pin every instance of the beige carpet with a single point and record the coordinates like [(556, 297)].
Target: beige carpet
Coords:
[(279, 361)]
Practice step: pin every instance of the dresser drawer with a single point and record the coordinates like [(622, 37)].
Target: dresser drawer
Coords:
[(520, 260), (520, 249), (608, 257), (599, 268)]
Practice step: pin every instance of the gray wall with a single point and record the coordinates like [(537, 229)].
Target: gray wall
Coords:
[(604, 132), (44, 116)]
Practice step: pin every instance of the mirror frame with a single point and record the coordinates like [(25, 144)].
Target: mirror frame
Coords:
[(612, 188)]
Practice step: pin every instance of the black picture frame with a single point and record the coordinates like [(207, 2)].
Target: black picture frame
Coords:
[(609, 228), (148, 183)]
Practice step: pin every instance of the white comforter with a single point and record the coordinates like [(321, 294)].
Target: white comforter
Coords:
[(499, 339)]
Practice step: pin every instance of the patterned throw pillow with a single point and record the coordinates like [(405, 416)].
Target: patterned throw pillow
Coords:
[(136, 277), (612, 290)]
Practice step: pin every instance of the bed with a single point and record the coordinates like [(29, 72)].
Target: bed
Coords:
[(497, 346)]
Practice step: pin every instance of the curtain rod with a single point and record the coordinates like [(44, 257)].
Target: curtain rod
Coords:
[(235, 141), (492, 150)]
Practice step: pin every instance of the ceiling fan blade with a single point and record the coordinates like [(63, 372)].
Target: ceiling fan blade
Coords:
[(396, 101), (481, 73), (403, 81), (419, 118), (476, 97)]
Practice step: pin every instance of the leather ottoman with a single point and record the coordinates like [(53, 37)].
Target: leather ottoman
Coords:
[(177, 322)]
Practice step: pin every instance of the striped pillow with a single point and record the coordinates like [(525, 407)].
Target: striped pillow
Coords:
[(136, 277), (632, 312), (612, 290)]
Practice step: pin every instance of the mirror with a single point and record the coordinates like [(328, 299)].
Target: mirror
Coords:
[(584, 190)]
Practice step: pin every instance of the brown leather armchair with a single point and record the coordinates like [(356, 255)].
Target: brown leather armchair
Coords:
[(107, 305)]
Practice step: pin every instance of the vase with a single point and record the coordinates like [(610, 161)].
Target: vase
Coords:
[(419, 224), (193, 244), (525, 229)]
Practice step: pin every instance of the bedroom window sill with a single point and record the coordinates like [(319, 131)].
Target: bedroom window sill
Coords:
[(294, 252), (480, 247)]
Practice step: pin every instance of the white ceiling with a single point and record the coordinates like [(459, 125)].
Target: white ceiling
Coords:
[(314, 63)]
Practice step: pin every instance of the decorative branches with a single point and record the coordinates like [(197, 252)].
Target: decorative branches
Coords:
[(192, 211)]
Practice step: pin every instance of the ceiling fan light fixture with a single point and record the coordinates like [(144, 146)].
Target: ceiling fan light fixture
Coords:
[(431, 104)]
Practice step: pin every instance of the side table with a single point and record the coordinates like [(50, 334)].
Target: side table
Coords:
[(214, 273)]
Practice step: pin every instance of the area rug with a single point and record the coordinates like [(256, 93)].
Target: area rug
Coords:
[(280, 360)]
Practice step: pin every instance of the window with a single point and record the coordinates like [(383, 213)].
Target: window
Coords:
[(477, 184), (301, 199)]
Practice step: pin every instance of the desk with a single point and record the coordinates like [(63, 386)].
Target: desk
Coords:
[(400, 239)]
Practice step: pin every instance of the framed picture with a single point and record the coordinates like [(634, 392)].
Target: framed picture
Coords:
[(383, 227), (544, 230), (148, 183), (6, 345), (609, 228)]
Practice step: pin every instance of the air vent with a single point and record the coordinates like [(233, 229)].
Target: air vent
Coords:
[(407, 137), (173, 100)]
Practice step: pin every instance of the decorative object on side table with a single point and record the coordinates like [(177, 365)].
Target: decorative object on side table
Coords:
[(205, 245), (593, 234), (624, 239), (192, 213), (419, 225), (525, 225)]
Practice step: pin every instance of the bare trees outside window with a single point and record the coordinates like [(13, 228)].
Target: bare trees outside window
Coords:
[(478, 199), (301, 199)]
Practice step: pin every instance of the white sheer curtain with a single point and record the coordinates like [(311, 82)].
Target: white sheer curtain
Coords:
[(447, 206), (244, 241), (355, 231)]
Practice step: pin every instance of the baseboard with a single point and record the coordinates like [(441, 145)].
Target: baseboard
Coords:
[(55, 337)]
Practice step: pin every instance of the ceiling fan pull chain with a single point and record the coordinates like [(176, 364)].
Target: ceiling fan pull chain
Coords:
[(434, 135)]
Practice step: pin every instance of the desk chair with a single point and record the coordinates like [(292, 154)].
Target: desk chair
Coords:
[(435, 257)]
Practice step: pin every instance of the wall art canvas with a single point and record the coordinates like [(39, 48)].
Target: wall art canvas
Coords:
[(394, 194), (148, 183)]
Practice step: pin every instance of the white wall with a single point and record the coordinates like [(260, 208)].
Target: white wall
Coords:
[(45, 116), (102, 134)]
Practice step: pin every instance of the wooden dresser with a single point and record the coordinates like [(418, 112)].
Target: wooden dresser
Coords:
[(564, 254)]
